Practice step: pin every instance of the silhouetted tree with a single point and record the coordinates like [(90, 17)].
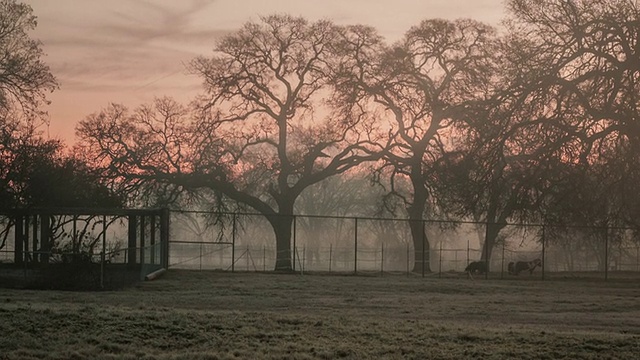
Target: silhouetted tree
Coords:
[(24, 78), (265, 130), (36, 173), (429, 83), (567, 91), (573, 69)]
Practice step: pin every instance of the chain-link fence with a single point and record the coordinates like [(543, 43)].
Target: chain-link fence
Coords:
[(102, 249), (246, 242)]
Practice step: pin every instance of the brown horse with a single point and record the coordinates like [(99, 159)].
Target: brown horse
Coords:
[(520, 266)]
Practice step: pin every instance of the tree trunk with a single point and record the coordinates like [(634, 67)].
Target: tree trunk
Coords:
[(421, 245), (492, 229), (282, 230), (416, 222), (491, 234)]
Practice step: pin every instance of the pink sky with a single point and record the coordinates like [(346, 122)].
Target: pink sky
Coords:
[(130, 51)]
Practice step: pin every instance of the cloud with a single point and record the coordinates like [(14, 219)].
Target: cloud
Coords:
[(130, 43), (131, 50)]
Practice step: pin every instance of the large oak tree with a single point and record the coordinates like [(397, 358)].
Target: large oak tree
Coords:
[(265, 129), (430, 83)]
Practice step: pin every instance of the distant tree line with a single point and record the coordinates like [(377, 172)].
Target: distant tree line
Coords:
[(535, 121)]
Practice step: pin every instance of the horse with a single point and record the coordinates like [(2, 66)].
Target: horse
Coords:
[(476, 267), (520, 266)]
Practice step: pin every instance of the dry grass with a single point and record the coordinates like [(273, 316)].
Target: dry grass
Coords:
[(209, 315)]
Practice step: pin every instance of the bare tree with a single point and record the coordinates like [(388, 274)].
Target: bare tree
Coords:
[(24, 78), (265, 129), (573, 68), (429, 83)]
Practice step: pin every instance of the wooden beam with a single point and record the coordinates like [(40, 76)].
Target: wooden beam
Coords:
[(18, 249), (132, 240)]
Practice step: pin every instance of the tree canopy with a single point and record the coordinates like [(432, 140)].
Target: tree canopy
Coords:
[(456, 119)]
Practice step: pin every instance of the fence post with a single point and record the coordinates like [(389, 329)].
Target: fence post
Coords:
[(165, 223), (440, 262), (355, 252), (502, 263), (264, 258), (424, 248), (468, 249), (330, 256), (294, 243), (408, 258), (143, 228), (152, 240), (544, 242), (304, 258), (382, 260), (25, 237), (606, 253), (74, 236), (132, 241), (200, 255), (18, 250), (104, 249), (486, 251), (233, 244), (247, 258)]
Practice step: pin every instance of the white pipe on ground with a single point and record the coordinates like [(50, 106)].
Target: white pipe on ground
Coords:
[(154, 275)]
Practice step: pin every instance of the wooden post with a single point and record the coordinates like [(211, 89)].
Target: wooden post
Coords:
[(165, 216), (18, 250), (45, 238), (143, 230), (34, 243), (152, 239), (34, 256), (132, 240), (104, 250)]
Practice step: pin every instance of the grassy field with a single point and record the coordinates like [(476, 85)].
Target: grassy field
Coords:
[(215, 315)]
